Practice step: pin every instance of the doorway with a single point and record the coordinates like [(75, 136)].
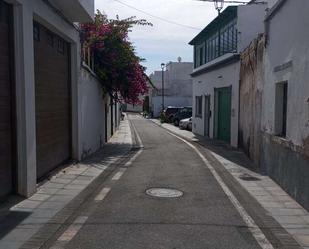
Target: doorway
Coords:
[(207, 115), (223, 113)]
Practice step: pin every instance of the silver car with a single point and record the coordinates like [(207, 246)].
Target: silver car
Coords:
[(186, 124)]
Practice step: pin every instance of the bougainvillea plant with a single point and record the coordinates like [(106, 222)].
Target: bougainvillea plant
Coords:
[(115, 60)]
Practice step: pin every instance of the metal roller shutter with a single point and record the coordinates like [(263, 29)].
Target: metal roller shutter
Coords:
[(53, 100)]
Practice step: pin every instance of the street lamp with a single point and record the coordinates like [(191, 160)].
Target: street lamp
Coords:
[(162, 67), (219, 5)]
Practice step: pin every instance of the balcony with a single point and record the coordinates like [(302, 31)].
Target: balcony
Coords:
[(75, 10)]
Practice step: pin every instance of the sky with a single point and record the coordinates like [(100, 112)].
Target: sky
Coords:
[(165, 41)]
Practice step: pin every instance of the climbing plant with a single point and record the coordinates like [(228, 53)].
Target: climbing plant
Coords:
[(115, 61)]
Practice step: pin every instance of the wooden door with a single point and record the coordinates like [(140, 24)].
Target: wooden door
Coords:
[(224, 114)]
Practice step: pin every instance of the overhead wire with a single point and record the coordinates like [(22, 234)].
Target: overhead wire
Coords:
[(158, 17)]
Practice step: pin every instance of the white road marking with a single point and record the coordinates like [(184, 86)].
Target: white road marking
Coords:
[(133, 158), (137, 135), (255, 230), (69, 234), (102, 194), (119, 174)]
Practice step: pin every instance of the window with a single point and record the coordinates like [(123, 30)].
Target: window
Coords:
[(281, 104), (50, 38), (36, 32), (60, 46), (198, 106), (201, 56), (223, 41)]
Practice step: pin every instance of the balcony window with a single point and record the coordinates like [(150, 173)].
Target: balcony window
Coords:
[(223, 41)]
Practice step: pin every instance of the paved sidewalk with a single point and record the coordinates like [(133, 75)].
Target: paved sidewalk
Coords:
[(286, 211), (20, 222)]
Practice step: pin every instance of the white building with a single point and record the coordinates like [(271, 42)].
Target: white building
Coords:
[(177, 87), (50, 102), (285, 112), (216, 70)]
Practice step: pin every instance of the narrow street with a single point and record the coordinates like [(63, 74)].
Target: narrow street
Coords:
[(125, 217)]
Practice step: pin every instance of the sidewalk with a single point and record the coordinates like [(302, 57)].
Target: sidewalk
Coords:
[(21, 221), (285, 210)]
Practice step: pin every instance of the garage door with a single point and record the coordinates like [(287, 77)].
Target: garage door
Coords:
[(6, 87), (53, 98)]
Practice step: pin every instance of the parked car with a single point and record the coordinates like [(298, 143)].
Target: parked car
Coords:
[(169, 113), (185, 112), (186, 124)]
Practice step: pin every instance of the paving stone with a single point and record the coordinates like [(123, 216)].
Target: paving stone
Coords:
[(286, 211), (72, 192), (18, 235), (54, 185), (289, 219), (302, 239), (39, 197), (10, 244), (52, 205), (272, 204), (45, 190), (299, 231), (44, 213), (61, 180), (28, 204), (61, 198), (306, 218)]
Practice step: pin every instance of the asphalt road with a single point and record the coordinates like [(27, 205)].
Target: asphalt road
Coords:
[(127, 218)]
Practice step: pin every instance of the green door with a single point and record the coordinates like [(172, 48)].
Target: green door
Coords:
[(224, 114)]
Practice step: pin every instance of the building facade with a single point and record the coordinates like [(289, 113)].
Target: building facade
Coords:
[(177, 87), (48, 96), (285, 115), (216, 70)]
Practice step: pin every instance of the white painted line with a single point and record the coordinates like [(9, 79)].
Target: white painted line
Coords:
[(138, 137), (69, 234), (102, 194), (255, 230), (133, 158), (119, 174)]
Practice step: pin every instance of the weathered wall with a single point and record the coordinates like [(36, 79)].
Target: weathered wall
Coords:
[(287, 60), (250, 98)]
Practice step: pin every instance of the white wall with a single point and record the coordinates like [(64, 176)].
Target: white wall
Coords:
[(204, 85), (288, 40), (250, 23), (92, 114), (25, 11), (177, 86)]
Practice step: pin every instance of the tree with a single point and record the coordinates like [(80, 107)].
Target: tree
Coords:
[(115, 60)]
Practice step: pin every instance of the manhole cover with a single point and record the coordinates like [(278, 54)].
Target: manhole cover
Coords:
[(164, 192), (247, 177)]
